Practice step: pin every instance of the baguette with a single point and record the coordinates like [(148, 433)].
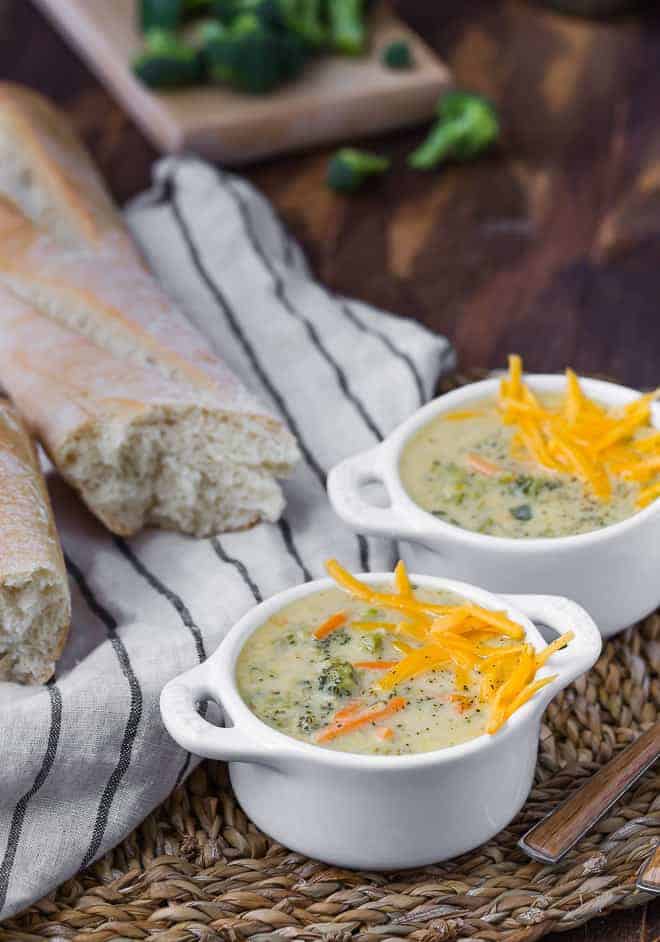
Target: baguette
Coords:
[(35, 608), (157, 429)]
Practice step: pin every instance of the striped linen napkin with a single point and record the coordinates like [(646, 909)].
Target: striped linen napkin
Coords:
[(86, 758)]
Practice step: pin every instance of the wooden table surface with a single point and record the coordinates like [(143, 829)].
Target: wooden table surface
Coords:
[(550, 246)]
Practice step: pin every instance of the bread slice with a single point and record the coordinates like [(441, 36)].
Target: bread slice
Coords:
[(35, 608), (194, 451)]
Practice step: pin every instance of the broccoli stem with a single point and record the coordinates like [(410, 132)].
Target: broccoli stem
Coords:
[(348, 33), (439, 145), (467, 125)]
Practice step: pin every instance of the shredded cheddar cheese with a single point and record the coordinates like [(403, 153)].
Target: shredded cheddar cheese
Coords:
[(466, 638), (582, 438)]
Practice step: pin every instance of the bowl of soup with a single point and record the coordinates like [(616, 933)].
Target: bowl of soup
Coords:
[(382, 721), (519, 503)]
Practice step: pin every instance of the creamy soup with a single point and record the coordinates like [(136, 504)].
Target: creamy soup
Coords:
[(299, 684), (462, 470)]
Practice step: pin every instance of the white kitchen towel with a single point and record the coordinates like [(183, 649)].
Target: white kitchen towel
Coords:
[(86, 758)]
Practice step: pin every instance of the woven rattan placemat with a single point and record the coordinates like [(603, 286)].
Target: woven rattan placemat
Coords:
[(197, 869)]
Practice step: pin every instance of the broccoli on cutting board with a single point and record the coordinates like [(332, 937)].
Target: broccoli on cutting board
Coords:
[(160, 14), (348, 26), (166, 61), (467, 125), (247, 56), (350, 168), (398, 55)]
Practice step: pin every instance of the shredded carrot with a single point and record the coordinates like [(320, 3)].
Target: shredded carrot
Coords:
[(483, 465), (349, 710), (330, 624), (375, 665), (461, 702), (372, 716), (385, 732)]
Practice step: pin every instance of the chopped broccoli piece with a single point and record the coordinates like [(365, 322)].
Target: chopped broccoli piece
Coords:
[(467, 125), (167, 62), (250, 56), (524, 512), (398, 55), (338, 678), (350, 168), (160, 14), (308, 722), (372, 642), (348, 28)]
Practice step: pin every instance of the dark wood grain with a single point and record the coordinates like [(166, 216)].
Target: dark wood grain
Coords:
[(549, 246), (555, 835)]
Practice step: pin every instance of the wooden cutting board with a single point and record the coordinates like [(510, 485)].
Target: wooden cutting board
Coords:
[(337, 99)]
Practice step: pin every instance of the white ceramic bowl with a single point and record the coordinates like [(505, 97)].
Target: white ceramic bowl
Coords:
[(376, 812), (613, 572)]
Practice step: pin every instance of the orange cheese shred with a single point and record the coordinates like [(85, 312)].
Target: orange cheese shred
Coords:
[(484, 649), (582, 438)]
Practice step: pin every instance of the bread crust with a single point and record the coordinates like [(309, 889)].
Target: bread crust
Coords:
[(29, 545), (65, 253)]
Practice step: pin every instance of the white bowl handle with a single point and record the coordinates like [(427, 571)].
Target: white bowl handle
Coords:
[(563, 615), (345, 483), (178, 707)]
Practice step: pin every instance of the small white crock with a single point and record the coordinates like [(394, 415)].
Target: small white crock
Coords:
[(376, 812), (613, 572)]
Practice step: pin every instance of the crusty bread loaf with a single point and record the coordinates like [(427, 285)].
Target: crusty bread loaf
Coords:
[(146, 421), (35, 608)]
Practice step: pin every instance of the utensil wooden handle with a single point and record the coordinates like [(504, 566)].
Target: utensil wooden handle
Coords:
[(554, 836), (648, 878)]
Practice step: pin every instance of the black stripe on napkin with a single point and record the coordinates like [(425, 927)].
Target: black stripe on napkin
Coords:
[(351, 316), (249, 350), (134, 713), (175, 600), (239, 566), (18, 816), (279, 290)]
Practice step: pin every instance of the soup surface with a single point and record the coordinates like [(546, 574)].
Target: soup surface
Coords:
[(463, 471), (297, 683)]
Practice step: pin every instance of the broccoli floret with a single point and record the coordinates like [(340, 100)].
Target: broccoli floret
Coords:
[(227, 10), (167, 62), (398, 55), (348, 27), (196, 8), (349, 169), (250, 56), (467, 125), (338, 678), (305, 18), (160, 14)]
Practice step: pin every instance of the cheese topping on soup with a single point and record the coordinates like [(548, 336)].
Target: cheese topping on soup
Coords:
[(371, 671), (528, 465)]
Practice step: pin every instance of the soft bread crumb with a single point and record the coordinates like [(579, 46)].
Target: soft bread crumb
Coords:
[(34, 614), (167, 468)]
